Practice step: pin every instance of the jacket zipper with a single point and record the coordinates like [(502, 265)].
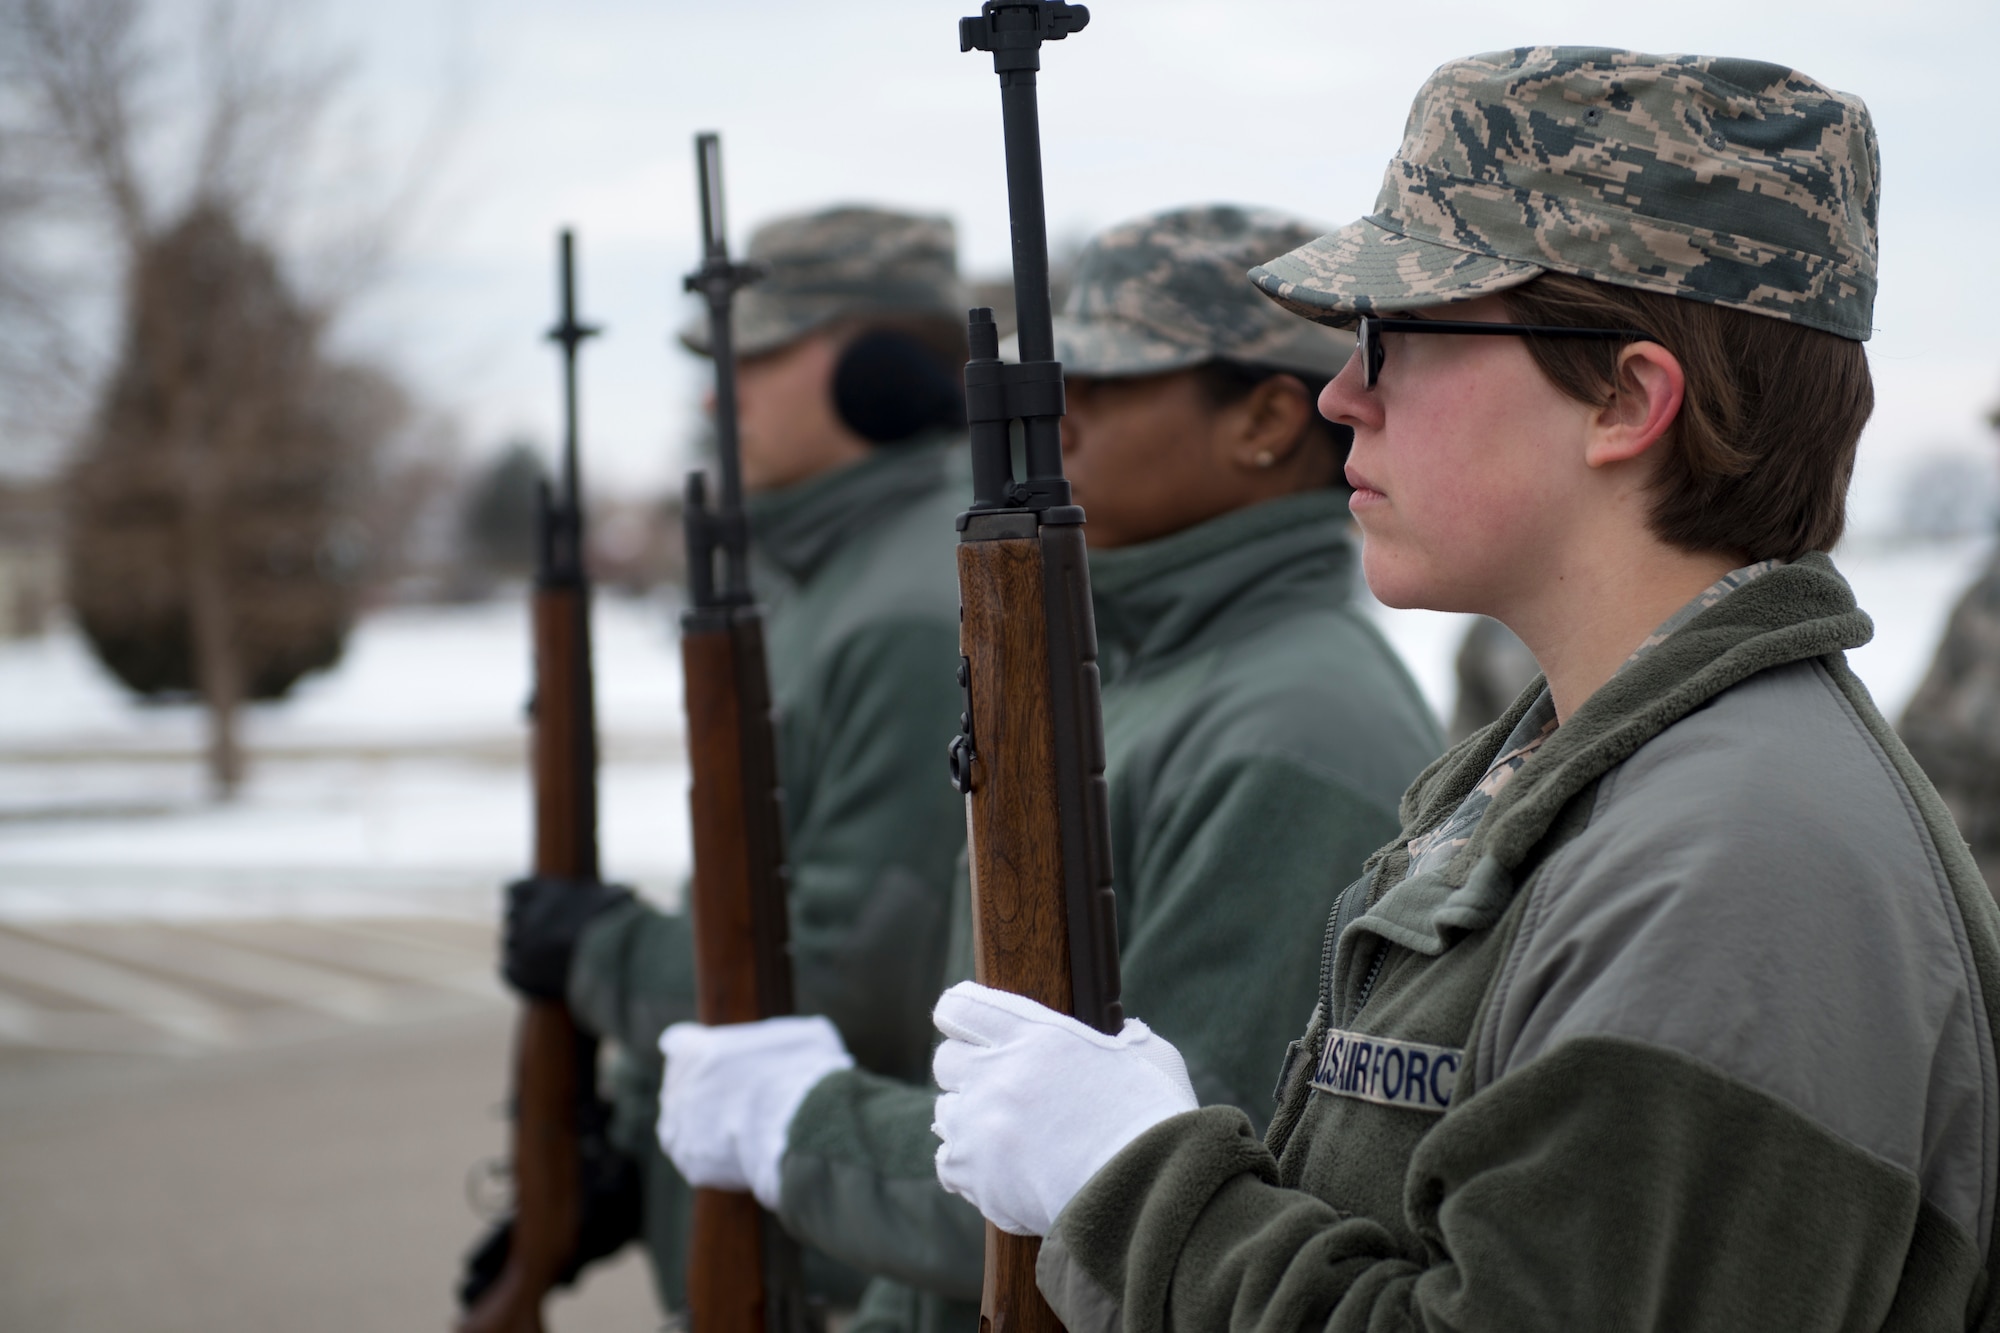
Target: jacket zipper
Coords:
[(1368, 982), (1287, 1116), (1326, 948), (1331, 945)]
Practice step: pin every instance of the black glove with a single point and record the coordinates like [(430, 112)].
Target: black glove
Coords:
[(545, 918), (612, 1215)]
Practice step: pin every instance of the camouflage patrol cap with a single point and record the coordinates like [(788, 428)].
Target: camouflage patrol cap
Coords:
[(841, 263), (1731, 181), (1167, 292)]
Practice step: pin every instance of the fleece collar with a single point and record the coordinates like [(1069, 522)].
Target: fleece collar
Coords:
[(1158, 600), (798, 528), (1794, 613)]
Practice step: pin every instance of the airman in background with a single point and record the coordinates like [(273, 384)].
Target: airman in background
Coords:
[(851, 418), (1952, 723)]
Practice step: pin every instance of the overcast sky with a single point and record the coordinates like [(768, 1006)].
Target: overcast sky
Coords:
[(581, 113)]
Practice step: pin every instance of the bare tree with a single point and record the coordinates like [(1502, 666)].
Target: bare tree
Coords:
[(226, 447), (41, 382)]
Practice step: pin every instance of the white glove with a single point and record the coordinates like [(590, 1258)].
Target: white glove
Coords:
[(1034, 1103), (727, 1102)]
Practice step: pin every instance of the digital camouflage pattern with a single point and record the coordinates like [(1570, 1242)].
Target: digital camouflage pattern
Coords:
[(1167, 292), (841, 263), (1699, 603), (1733, 181), (1431, 850)]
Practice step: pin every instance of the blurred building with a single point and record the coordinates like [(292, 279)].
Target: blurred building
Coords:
[(1952, 725), (637, 545), (1948, 493), (31, 573)]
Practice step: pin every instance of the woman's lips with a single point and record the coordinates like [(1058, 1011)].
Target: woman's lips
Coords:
[(1365, 493)]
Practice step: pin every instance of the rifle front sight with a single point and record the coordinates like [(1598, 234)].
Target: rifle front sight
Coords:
[(562, 516), (722, 529), (1014, 30), (1031, 393)]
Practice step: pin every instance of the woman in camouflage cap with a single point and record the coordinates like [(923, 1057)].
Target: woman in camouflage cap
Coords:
[(1673, 1003)]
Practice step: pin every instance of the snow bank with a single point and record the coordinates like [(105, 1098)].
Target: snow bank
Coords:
[(396, 783)]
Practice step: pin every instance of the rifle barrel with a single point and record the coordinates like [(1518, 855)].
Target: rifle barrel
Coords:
[(554, 1062), (714, 222), (1021, 121), (1030, 759), (743, 1270), (717, 281), (563, 554)]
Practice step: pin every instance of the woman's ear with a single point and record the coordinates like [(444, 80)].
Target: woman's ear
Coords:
[(1645, 399), (1269, 423)]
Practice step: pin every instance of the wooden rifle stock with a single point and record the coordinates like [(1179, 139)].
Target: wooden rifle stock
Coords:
[(742, 1270), (1030, 755), (1020, 935), (1037, 818), (554, 1064)]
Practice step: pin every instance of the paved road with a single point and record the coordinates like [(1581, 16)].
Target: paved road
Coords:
[(252, 1127), (200, 988)]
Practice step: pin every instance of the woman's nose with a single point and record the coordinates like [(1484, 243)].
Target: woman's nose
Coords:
[(1346, 402)]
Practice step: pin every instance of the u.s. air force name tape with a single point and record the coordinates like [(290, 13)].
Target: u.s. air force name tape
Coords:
[(1394, 1073)]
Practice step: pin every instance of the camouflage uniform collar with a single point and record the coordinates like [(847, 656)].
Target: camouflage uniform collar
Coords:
[(1700, 602), (1434, 850), (796, 529), (1161, 598)]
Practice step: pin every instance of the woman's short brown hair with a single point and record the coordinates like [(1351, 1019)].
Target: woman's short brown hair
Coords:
[(1758, 461)]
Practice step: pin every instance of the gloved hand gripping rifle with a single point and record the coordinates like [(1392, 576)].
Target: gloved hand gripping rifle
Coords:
[(554, 1063), (743, 1270), (1030, 755)]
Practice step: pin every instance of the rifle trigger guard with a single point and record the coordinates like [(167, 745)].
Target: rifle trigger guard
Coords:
[(961, 759), (961, 755)]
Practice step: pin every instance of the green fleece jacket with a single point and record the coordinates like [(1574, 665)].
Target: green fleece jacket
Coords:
[(855, 571), (1258, 731), (1695, 1031)]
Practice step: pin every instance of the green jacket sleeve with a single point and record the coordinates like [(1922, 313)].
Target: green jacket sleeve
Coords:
[(860, 1183), (633, 975), (874, 829), (1606, 1185), (860, 1180), (1222, 910)]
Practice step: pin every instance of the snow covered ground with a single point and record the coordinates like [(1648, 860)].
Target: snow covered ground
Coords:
[(396, 783)]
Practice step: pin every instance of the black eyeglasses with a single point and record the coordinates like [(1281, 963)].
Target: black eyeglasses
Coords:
[(1369, 336)]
